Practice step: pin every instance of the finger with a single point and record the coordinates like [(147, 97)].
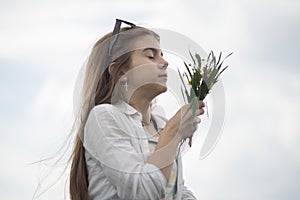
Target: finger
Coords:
[(197, 120), (195, 128), (201, 104), (199, 111)]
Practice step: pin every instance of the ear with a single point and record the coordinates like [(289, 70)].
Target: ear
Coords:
[(111, 67)]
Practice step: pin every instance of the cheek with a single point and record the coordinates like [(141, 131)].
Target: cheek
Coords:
[(143, 74)]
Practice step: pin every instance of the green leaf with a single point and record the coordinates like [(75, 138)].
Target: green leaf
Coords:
[(192, 58), (198, 60), (187, 78), (194, 105), (219, 59), (213, 60), (186, 92), (187, 67), (183, 95), (208, 57), (211, 77), (225, 59), (222, 71)]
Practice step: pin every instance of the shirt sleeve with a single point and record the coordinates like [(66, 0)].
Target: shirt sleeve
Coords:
[(122, 164)]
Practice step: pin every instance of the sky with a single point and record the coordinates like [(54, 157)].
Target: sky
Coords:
[(44, 44)]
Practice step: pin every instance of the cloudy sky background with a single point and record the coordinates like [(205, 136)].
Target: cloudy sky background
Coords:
[(44, 43)]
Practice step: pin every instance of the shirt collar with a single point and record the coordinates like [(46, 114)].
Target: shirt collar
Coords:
[(129, 110), (126, 108)]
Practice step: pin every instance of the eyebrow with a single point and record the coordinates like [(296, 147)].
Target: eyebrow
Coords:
[(154, 51)]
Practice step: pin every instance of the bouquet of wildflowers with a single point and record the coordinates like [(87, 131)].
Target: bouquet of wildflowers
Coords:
[(201, 75)]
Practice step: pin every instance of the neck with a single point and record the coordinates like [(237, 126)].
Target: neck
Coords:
[(143, 106)]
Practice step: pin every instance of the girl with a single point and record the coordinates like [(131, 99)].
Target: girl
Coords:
[(122, 150)]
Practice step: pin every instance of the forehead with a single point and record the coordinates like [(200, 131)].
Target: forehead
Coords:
[(146, 42)]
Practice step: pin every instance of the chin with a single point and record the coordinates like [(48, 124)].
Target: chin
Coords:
[(162, 89), (155, 89)]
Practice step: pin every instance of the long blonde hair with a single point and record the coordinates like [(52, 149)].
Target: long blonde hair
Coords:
[(96, 90)]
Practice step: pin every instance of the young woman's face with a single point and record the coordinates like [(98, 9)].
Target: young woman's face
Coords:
[(148, 70)]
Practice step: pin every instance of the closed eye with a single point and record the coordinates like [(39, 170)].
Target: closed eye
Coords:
[(151, 53)]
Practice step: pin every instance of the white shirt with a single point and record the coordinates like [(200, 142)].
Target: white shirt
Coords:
[(116, 153)]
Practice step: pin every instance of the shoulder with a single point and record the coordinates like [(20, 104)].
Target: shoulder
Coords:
[(102, 119), (105, 110), (100, 114), (105, 107), (107, 114)]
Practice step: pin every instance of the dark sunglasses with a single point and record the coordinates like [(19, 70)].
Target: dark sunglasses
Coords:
[(116, 32)]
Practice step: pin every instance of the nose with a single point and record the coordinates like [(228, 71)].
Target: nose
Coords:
[(163, 63)]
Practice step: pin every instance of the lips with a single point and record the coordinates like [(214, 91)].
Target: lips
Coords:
[(163, 75)]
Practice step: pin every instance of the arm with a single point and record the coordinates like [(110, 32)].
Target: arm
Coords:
[(165, 151), (182, 125)]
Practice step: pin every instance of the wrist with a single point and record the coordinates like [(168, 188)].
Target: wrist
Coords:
[(170, 135)]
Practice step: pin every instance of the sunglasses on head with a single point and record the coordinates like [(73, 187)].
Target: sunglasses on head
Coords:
[(116, 32)]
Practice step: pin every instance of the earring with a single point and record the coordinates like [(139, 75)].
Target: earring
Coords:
[(126, 83)]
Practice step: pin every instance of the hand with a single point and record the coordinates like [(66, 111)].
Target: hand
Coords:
[(183, 124)]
